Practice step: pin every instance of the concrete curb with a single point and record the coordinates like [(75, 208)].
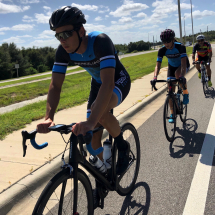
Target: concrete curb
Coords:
[(26, 187)]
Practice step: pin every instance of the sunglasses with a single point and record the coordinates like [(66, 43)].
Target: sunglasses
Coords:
[(199, 41), (64, 35), (167, 41)]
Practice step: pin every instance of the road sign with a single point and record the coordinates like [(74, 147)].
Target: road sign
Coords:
[(17, 66)]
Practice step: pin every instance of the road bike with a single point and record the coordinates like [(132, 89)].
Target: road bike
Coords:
[(70, 190), (173, 106), (204, 76)]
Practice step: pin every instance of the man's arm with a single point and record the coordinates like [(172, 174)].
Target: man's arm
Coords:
[(183, 66), (104, 95), (52, 102), (157, 69), (54, 94)]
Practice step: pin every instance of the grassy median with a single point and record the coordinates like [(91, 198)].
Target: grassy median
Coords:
[(35, 78), (75, 91)]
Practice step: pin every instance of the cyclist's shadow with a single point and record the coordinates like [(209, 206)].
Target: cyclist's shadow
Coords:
[(189, 142), (138, 201), (210, 93)]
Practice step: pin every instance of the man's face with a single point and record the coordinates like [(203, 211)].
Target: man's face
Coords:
[(70, 43), (201, 42), (168, 44)]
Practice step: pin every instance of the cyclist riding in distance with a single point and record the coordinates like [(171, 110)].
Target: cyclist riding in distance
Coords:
[(204, 53), (110, 83), (178, 63)]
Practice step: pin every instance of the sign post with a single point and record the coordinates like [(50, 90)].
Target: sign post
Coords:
[(17, 67)]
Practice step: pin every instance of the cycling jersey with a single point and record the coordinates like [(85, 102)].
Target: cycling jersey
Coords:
[(100, 54), (174, 55), (202, 51)]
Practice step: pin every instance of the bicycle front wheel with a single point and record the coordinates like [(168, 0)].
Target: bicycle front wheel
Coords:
[(58, 196), (127, 181), (169, 126), (205, 86)]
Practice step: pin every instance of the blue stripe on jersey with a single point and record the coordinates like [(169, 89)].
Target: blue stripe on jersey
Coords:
[(183, 55), (94, 72), (159, 59), (60, 69), (108, 63)]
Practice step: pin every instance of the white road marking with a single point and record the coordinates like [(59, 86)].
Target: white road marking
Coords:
[(195, 204)]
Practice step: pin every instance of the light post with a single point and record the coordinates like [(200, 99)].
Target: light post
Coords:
[(192, 20), (184, 32), (179, 16)]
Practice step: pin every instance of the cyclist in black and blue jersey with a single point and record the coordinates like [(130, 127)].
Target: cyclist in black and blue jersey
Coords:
[(178, 63), (110, 83)]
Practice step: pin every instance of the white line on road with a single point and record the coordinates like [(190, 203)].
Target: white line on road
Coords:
[(195, 204)]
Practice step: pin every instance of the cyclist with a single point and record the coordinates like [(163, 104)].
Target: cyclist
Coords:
[(178, 63), (110, 83), (204, 53)]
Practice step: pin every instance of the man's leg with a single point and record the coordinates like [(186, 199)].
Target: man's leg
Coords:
[(209, 75), (199, 70), (185, 91)]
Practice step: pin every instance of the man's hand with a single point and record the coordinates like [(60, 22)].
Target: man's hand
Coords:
[(82, 128), (43, 127), (153, 81)]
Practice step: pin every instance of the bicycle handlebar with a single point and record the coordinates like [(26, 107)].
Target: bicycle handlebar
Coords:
[(82, 139), (201, 62), (31, 135)]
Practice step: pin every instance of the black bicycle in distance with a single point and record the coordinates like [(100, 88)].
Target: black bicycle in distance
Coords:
[(70, 190), (175, 101), (204, 76)]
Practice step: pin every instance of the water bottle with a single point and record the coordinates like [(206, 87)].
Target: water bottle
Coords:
[(96, 162), (107, 155)]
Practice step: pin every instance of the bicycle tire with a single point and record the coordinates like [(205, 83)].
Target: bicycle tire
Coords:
[(125, 186), (42, 205), (204, 85), (169, 134), (183, 115)]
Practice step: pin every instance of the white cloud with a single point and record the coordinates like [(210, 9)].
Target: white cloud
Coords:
[(85, 7), (125, 20), (106, 16), (43, 18), (46, 34), (5, 29), (98, 18), (92, 27), (7, 8), (28, 19), (22, 27), (127, 8), (15, 40), (113, 22), (2, 33), (141, 15), (29, 1), (106, 9), (87, 17), (200, 14)]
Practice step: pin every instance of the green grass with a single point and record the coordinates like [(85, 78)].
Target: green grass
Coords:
[(75, 91), (35, 78)]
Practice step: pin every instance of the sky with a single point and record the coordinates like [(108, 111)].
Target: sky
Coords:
[(26, 22)]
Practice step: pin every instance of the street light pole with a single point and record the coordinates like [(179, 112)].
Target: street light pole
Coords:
[(179, 16), (184, 32), (192, 20)]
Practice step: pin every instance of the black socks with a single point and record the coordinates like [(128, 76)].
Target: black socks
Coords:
[(120, 143)]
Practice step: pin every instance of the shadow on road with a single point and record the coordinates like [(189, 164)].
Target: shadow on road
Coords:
[(138, 201), (190, 142), (210, 93)]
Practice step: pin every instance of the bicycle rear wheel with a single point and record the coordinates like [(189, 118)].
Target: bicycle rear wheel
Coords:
[(183, 114), (58, 196), (169, 128), (127, 181)]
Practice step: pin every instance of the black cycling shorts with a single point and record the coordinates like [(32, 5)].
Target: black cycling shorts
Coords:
[(122, 88), (172, 70), (206, 58)]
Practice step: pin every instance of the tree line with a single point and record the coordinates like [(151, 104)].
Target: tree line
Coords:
[(37, 60)]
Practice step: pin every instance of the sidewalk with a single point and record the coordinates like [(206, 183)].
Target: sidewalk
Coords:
[(14, 167)]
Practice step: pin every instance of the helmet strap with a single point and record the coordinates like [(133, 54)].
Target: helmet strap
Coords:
[(80, 40)]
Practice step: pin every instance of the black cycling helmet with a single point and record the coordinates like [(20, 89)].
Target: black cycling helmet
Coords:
[(66, 15), (167, 35)]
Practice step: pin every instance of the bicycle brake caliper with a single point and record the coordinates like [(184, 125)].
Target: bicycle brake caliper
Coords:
[(66, 165)]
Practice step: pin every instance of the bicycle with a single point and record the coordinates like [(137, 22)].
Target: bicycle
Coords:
[(63, 193), (178, 108), (204, 76)]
